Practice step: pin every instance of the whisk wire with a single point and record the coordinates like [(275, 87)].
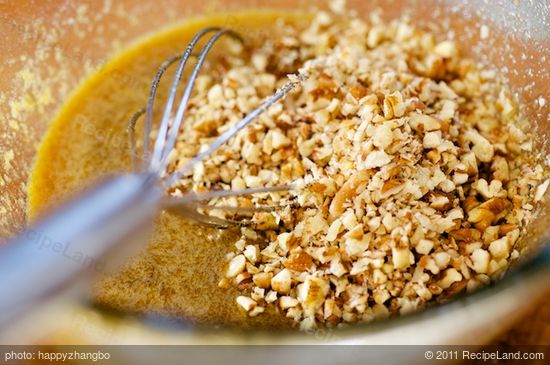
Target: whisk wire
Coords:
[(174, 129), (161, 136), (131, 130), (160, 142), (191, 197), (151, 102)]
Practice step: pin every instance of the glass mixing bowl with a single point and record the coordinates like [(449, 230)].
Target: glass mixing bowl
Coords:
[(48, 47)]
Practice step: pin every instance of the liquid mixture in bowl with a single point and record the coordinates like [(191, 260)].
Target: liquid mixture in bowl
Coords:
[(411, 177)]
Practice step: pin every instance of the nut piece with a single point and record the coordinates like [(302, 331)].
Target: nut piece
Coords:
[(393, 105), (447, 49), (279, 140), (312, 293), (282, 281), (442, 259), (252, 253), (448, 110), (284, 240), (246, 303), (449, 277), (337, 268), (355, 247), (466, 235), (256, 311), (541, 190), (411, 177), (346, 192), (402, 258), (432, 140), (500, 169), (236, 266), (262, 279), (500, 248), (380, 295), (286, 302), (483, 149), (377, 159), (300, 261), (333, 230), (480, 261), (424, 247), (470, 163), (383, 136), (392, 187), (488, 190), (424, 123), (486, 213)]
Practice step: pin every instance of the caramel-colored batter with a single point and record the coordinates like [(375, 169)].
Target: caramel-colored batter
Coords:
[(178, 272)]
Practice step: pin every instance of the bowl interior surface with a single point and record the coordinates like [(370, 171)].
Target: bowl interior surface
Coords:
[(48, 47)]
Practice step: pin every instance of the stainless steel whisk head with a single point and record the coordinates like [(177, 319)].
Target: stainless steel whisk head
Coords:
[(156, 161)]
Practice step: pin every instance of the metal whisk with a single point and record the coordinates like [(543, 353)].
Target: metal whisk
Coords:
[(157, 161), (52, 254)]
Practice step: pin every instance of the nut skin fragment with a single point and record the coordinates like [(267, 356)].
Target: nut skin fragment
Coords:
[(466, 235), (224, 283), (486, 213), (469, 160), (300, 261), (392, 187), (262, 279), (347, 191), (470, 203), (506, 228)]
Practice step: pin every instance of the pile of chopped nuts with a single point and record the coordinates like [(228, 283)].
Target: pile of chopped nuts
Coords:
[(411, 180)]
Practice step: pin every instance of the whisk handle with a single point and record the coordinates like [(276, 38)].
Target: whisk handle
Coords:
[(80, 237)]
